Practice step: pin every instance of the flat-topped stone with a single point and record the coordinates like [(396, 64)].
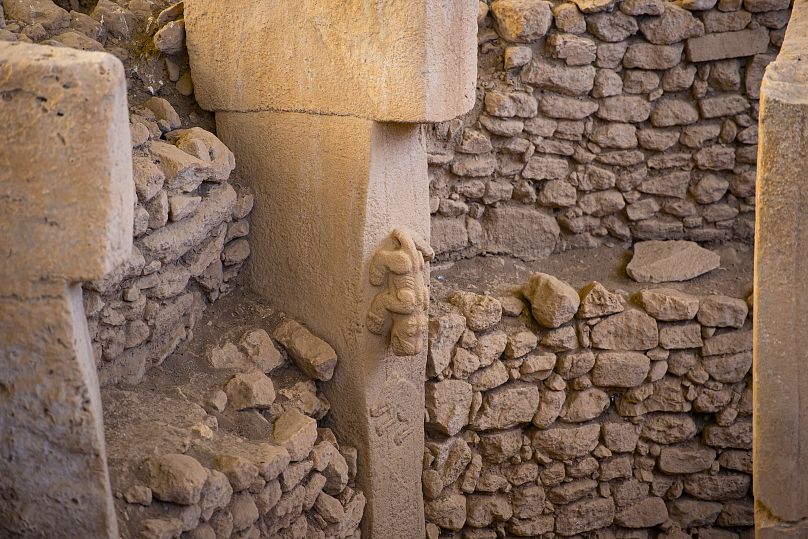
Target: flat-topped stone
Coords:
[(65, 166), (405, 61), (666, 261)]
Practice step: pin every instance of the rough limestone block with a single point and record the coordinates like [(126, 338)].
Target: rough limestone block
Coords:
[(66, 190), (405, 61), (780, 443), (355, 181), (666, 261), (727, 45), (66, 200)]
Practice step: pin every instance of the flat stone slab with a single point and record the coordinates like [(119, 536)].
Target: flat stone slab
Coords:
[(666, 261)]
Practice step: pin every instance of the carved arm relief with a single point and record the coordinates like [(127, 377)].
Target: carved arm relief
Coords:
[(405, 298)]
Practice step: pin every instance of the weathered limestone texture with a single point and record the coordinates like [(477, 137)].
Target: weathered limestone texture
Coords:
[(602, 123), (405, 61), (355, 181), (781, 407), (588, 413), (66, 199)]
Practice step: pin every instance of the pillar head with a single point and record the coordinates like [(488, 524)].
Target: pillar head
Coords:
[(66, 190), (403, 61)]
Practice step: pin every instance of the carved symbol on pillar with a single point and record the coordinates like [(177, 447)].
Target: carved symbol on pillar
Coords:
[(406, 297), (392, 418)]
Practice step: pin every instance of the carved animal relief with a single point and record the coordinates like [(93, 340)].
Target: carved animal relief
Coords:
[(405, 299)]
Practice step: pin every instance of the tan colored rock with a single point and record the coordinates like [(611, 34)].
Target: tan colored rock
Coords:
[(311, 354), (722, 311), (717, 487), (448, 512), (553, 302), (522, 21), (674, 25), (567, 442), (647, 513), (727, 45), (728, 343), (664, 261), (677, 336), (668, 428), (296, 433), (448, 404), (507, 406), (585, 405), (667, 304), (176, 478), (620, 437), (585, 515), (596, 301), (44, 12), (728, 368), (444, 332), (629, 330), (620, 369), (650, 56), (685, 460), (431, 78), (565, 80), (481, 312), (525, 232), (250, 390)]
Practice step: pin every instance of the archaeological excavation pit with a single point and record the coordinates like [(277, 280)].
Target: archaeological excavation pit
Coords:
[(459, 269)]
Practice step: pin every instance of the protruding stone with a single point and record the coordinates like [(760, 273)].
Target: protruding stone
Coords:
[(250, 390), (431, 79), (311, 354), (596, 301), (667, 304), (522, 21), (552, 302)]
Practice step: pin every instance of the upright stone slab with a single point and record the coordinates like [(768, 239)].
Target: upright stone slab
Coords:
[(402, 61), (66, 200), (340, 224), (781, 277)]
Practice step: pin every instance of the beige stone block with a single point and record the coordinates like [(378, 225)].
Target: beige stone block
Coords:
[(727, 45), (404, 61), (780, 440), (66, 189), (328, 192)]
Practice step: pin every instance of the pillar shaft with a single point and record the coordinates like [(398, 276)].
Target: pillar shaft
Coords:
[(780, 375), (66, 201), (329, 191)]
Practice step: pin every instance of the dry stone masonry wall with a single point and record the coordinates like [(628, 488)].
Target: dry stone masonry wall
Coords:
[(190, 225), (603, 121), (558, 412)]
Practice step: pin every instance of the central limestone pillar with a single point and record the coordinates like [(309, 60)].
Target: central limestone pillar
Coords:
[(323, 122)]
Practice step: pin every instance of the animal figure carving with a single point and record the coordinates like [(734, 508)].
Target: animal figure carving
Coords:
[(406, 298)]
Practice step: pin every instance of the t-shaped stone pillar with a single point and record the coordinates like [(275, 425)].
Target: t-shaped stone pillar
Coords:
[(780, 441), (318, 100), (66, 200)]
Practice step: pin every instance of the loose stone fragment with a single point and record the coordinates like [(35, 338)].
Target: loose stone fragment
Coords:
[(665, 261), (311, 354), (552, 302), (250, 390)]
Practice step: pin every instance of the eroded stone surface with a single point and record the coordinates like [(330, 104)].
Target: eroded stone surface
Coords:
[(665, 261)]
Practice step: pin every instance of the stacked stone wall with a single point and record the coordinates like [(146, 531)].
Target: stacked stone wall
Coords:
[(570, 413), (603, 121)]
